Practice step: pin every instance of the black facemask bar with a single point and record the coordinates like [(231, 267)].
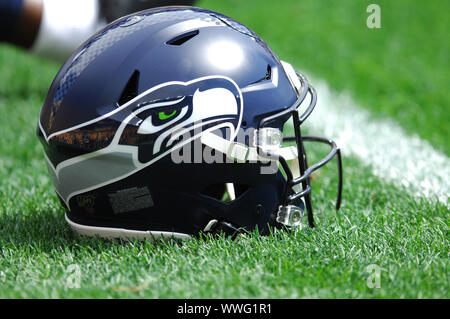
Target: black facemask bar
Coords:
[(290, 198)]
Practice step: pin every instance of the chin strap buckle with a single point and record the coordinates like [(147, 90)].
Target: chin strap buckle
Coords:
[(291, 216), (215, 227)]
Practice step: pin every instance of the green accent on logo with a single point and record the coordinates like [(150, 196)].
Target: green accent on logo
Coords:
[(165, 116)]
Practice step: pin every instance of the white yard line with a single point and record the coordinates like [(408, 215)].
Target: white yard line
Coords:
[(394, 156)]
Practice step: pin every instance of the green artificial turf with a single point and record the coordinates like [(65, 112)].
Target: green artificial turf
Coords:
[(405, 238)]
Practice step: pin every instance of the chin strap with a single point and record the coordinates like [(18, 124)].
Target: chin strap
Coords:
[(215, 228), (242, 152)]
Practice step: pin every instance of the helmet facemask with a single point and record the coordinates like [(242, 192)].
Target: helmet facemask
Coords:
[(267, 145), (292, 199)]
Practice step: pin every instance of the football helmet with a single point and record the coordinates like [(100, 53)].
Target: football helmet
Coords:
[(169, 123)]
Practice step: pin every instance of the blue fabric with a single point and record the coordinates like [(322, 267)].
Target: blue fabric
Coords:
[(10, 13)]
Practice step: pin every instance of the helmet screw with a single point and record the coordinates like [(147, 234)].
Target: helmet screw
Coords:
[(259, 210)]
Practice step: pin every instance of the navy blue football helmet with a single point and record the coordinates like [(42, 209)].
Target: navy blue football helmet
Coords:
[(169, 123)]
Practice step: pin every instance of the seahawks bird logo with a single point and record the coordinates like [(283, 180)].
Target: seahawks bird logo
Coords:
[(156, 125), (151, 126)]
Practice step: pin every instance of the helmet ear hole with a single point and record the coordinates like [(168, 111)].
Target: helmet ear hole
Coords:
[(130, 90)]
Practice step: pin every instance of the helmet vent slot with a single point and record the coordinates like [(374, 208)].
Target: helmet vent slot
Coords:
[(268, 73), (179, 40), (130, 90), (266, 77)]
